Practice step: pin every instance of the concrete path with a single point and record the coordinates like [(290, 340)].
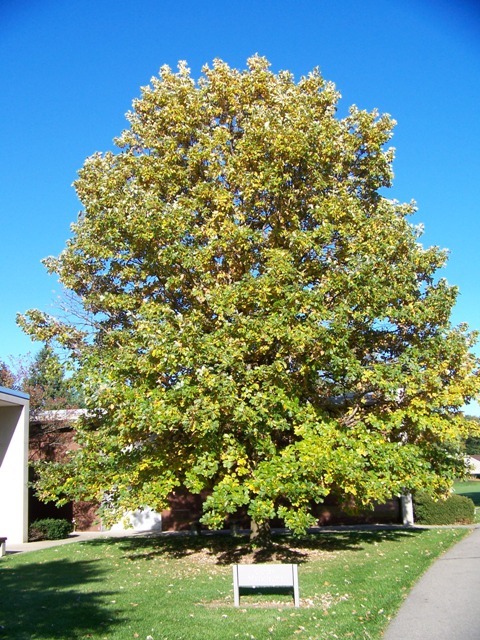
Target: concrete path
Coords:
[(445, 603), (81, 536)]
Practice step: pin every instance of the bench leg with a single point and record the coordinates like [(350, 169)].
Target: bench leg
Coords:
[(3, 549), (236, 589), (296, 590)]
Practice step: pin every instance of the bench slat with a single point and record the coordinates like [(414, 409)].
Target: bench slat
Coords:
[(265, 575)]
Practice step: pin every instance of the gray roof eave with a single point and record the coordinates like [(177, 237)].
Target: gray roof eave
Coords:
[(15, 394)]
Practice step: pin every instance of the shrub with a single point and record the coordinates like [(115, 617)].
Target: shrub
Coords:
[(454, 510), (49, 529)]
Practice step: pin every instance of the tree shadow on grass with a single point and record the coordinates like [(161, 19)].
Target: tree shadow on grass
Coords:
[(227, 549), (54, 599)]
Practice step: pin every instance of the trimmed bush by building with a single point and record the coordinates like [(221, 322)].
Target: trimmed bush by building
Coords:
[(454, 510), (49, 529)]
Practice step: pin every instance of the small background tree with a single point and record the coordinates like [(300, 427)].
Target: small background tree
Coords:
[(472, 442), (46, 382), (7, 377)]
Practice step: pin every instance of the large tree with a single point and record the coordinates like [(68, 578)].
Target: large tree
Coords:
[(257, 318)]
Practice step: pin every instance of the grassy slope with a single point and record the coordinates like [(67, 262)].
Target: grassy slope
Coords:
[(172, 588)]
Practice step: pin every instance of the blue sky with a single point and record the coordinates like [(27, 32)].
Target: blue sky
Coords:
[(70, 70)]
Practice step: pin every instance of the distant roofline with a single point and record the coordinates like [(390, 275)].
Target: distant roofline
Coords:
[(15, 394), (52, 415)]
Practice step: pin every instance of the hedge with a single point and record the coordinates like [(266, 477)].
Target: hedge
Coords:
[(50, 529), (454, 510)]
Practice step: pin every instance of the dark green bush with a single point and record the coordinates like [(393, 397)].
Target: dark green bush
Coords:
[(454, 510), (49, 529)]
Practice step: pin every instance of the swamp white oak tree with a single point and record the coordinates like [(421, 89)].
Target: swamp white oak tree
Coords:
[(258, 319)]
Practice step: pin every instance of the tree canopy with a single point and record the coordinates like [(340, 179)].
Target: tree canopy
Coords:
[(257, 319)]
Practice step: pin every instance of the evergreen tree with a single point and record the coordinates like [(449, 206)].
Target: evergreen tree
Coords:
[(47, 384)]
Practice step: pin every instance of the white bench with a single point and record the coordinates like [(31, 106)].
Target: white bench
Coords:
[(3, 550), (265, 575)]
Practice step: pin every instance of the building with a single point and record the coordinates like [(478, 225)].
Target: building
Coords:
[(14, 410)]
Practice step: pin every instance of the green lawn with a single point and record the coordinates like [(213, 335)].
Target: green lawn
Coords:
[(470, 488), (173, 588)]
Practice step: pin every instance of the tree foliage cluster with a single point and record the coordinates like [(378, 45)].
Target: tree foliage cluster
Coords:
[(472, 442), (45, 379), (257, 318), (7, 377)]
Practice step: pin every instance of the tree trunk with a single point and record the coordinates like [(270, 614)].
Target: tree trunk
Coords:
[(261, 535)]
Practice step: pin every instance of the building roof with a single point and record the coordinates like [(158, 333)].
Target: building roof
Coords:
[(60, 415), (11, 398), (15, 394), (473, 462)]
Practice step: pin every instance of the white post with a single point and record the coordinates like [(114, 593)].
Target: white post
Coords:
[(407, 509), (296, 590), (236, 589)]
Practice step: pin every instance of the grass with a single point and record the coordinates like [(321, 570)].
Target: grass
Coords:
[(471, 489), (175, 588)]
